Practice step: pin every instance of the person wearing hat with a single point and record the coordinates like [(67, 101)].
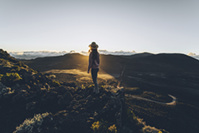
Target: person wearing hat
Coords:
[(94, 64)]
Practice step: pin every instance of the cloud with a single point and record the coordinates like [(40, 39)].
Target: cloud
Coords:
[(35, 54), (194, 55)]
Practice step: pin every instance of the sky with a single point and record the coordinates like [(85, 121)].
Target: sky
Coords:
[(157, 26)]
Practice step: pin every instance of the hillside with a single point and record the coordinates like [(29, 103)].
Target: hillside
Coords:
[(165, 62), (145, 75), (176, 70), (34, 102)]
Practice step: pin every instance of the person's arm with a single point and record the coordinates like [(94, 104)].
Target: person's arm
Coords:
[(89, 63), (98, 59)]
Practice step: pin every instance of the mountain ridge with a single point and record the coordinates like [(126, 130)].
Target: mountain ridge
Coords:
[(145, 75), (34, 102), (176, 60), (31, 96), (36, 54)]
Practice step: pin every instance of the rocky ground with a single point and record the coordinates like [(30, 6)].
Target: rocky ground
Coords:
[(31, 102)]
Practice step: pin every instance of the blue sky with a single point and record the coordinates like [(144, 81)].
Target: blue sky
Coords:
[(141, 25)]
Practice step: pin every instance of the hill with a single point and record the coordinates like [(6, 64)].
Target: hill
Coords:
[(34, 102), (152, 76), (166, 63), (176, 70)]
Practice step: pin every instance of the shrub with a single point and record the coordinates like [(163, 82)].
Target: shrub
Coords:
[(10, 78), (13, 76), (83, 87), (91, 86), (103, 127), (149, 129), (16, 68), (96, 126), (20, 64), (113, 129), (1, 75), (55, 83), (52, 76), (32, 70), (32, 125)]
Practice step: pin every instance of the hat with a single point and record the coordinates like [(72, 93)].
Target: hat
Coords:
[(93, 45)]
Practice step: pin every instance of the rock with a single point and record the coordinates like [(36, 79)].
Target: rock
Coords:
[(69, 84), (5, 92), (47, 86), (61, 90), (36, 124), (31, 106), (65, 99), (3, 89)]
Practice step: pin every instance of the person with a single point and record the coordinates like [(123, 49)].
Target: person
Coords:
[(94, 62)]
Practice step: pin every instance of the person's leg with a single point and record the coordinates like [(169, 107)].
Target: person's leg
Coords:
[(94, 77), (96, 84)]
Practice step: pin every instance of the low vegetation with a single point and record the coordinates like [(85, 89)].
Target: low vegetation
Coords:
[(29, 124), (72, 108), (10, 78), (26, 95)]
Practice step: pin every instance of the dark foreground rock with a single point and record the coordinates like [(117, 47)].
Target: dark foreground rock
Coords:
[(79, 115), (61, 109), (31, 102)]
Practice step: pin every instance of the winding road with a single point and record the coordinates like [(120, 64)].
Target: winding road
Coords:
[(172, 103)]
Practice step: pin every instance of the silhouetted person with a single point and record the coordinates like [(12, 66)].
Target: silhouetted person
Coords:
[(94, 64)]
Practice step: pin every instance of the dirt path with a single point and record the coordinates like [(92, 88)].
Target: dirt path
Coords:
[(82, 74), (172, 103)]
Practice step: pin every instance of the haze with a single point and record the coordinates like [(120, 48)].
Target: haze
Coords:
[(140, 25)]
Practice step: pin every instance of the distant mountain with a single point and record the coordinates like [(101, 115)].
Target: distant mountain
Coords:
[(170, 63), (28, 55), (196, 57), (165, 62)]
